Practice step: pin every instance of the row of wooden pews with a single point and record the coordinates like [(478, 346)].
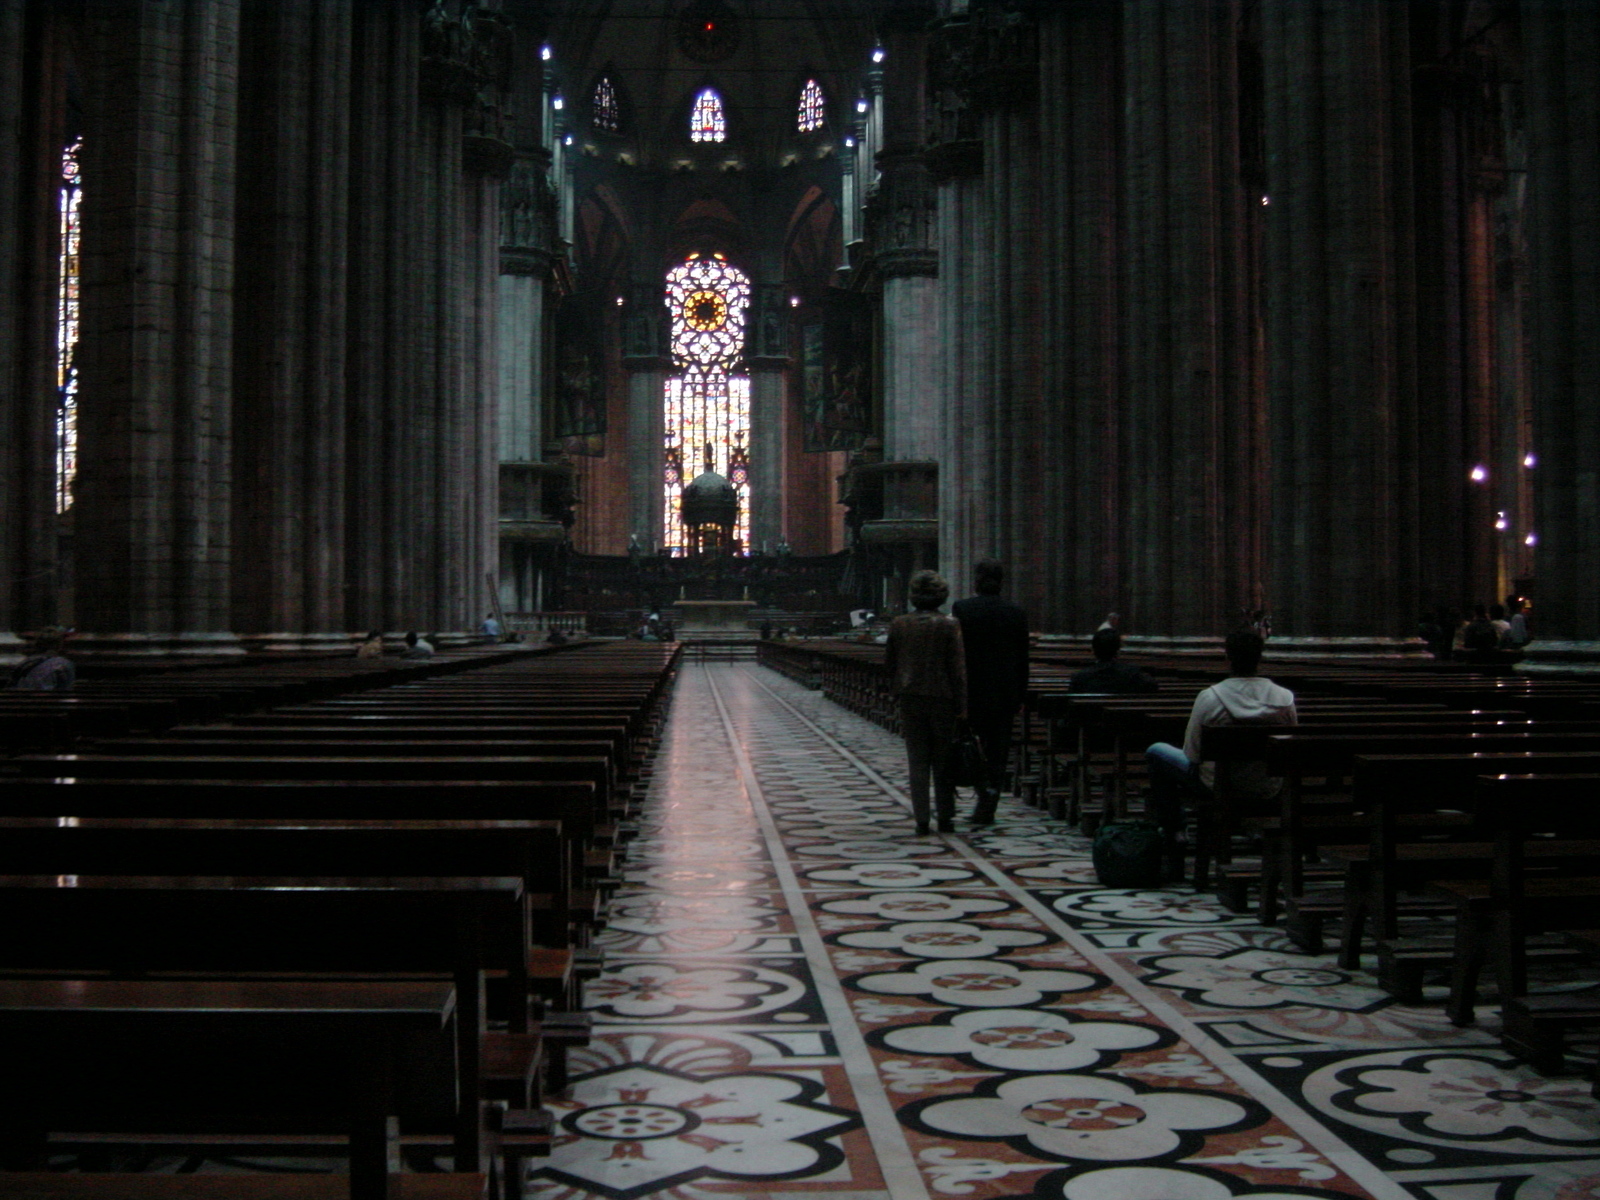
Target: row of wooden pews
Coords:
[(355, 921), (1444, 821)]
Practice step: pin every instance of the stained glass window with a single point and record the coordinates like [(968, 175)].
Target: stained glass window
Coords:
[(706, 122), (607, 115), (67, 330), (812, 109), (707, 405)]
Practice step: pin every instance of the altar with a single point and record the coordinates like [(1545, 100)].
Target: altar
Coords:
[(720, 620)]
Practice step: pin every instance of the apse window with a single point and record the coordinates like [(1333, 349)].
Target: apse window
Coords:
[(607, 113), (707, 405), (812, 107), (707, 122), (67, 328)]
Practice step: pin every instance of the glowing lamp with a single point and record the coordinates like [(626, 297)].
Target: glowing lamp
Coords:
[(1479, 473)]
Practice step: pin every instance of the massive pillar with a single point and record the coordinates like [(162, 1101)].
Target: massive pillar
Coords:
[(1342, 318), (34, 52), (769, 399), (154, 485), (1191, 417), (954, 157), (383, 434), (290, 295), (1561, 39), (1078, 106)]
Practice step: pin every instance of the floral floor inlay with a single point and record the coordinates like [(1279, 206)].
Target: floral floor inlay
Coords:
[(802, 997)]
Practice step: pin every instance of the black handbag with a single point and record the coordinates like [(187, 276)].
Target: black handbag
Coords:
[(967, 763)]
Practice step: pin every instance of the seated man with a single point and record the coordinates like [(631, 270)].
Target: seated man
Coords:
[(1244, 698), (1108, 676)]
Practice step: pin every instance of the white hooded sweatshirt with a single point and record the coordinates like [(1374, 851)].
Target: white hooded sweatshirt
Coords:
[(1240, 700)]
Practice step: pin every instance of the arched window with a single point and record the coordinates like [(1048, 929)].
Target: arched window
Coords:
[(707, 406), (706, 120), (67, 329), (607, 114), (812, 107)]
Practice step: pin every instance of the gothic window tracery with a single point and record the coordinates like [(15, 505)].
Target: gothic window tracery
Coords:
[(707, 123), (67, 328), (707, 405), (607, 112), (813, 109)]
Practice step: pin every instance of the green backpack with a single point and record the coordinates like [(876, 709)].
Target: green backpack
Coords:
[(1127, 854)]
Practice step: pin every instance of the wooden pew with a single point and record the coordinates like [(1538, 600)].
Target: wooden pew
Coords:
[(268, 1056)]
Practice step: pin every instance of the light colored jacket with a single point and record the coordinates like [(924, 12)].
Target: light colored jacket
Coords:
[(1240, 700)]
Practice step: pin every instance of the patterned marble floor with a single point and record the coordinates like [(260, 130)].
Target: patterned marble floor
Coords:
[(802, 996)]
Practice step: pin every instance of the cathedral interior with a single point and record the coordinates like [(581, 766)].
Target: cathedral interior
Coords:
[(327, 323)]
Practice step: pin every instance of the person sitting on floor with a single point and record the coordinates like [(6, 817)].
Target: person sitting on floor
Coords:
[(1244, 698)]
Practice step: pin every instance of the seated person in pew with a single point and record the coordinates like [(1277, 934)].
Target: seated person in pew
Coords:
[(1109, 676), (1244, 698)]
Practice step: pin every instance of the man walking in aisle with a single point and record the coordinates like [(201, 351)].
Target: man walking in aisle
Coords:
[(994, 633)]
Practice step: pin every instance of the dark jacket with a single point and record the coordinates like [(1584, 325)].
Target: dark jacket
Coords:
[(1112, 677), (925, 658), (995, 634)]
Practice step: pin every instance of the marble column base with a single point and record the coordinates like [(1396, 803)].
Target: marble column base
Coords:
[(1565, 658), (150, 645), (299, 643)]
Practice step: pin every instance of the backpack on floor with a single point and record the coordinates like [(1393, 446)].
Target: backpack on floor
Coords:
[(1127, 854)]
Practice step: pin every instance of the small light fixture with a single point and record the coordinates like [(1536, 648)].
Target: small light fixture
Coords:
[(861, 106), (1266, 200), (1479, 473), (619, 301), (558, 104), (1529, 461), (1500, 521), (850, 143), (1531, 540), (567, 141), (877, 54), (544, 53), (794, 301)]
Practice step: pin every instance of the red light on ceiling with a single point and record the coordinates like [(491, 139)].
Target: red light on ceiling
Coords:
[(709, 26)]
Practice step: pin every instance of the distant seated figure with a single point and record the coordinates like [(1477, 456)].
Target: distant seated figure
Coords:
[(1479, 638), (1244, 698), (490, 629), (1109, 675), (1111, 622), (1516, 635), (417, 647), (46, 669), (372, 647)]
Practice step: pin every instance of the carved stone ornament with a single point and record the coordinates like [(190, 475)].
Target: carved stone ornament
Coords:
[(708, 31), (528, 214)]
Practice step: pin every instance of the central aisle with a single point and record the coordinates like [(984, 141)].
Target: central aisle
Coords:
[(802, 997)]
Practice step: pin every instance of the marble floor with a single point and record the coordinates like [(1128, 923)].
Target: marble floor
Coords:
[(801, 996)]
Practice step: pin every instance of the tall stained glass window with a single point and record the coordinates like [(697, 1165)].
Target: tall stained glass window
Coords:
[(67, 330), (607, 115), (707, 405), (706, 121), (812, 108)]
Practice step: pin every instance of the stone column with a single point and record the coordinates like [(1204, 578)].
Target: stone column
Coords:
[(384, 436), (1561, 38), (1192, 417), (955, 159), (290, 296), (33, 83), (1079, 47), (769, 401), (154, 486), (1342, 311)]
